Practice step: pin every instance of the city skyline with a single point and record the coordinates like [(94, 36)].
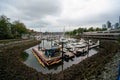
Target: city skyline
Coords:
[(54, 15)]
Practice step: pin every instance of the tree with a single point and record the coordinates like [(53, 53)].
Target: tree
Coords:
[(104, 29), (98, 29), (5, 27), (11, 30), (91, 29), (74, 32), (84, 29), (81, 30), (19, 28)]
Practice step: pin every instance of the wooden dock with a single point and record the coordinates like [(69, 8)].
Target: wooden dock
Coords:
[(45, 57), (44, 60), (39, 60)]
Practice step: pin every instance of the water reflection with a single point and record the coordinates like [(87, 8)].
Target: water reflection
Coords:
[(33, 62)]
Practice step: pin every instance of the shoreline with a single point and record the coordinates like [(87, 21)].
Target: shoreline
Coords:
[(91, 66), (110, 71), (13, 68)]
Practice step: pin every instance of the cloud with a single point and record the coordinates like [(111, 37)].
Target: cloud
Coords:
[(89, 12), (30, 10), (53, 15), (39, 8)]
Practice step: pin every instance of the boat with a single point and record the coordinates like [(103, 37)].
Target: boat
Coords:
[(80, 48), (47, 57), (55, 43)]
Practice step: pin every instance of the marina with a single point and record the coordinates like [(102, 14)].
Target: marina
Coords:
[(46, 64), (55, 54), (60, 40)]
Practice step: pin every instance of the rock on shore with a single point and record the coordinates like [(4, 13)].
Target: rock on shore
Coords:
[(110, 71)]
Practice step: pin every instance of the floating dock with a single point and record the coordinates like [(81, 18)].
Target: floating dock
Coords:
[(44, 60)]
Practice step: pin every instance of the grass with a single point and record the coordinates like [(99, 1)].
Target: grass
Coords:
[(9, 40), (24, 55), (5, 41)]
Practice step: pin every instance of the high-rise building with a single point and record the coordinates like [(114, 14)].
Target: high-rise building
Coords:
[(109, 24), (119, 20), (119, 23), (116, 25), (104, 26)]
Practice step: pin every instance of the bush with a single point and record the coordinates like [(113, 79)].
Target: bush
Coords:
[(24, 55)]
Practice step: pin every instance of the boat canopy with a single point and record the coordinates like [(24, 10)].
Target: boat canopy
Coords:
[(51, 52)]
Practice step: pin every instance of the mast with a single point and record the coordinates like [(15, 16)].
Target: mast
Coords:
[(64, 31)]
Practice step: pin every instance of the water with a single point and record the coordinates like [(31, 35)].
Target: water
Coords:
[(33, 62)]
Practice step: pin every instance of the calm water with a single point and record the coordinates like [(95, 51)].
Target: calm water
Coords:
[(33, 62)]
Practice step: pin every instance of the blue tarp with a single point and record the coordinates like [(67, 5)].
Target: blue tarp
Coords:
[(50, 52), (118, 78), (47, 53), (52, 49)]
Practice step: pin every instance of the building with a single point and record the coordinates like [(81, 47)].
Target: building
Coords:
[(109, 25), (25, 36), (119, 20), (116, 25), (104, 26), (110, 35)]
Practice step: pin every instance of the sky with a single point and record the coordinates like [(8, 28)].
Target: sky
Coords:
[(55, 15)]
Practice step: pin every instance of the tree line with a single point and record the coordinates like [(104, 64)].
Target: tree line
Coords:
[(10, 30), (81, 30)]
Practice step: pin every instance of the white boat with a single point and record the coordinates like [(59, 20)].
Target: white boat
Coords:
[(62, 39), (81, 47), (70, 46), (55, 43)]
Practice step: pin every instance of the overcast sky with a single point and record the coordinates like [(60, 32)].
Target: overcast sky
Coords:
[(54, 15)]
